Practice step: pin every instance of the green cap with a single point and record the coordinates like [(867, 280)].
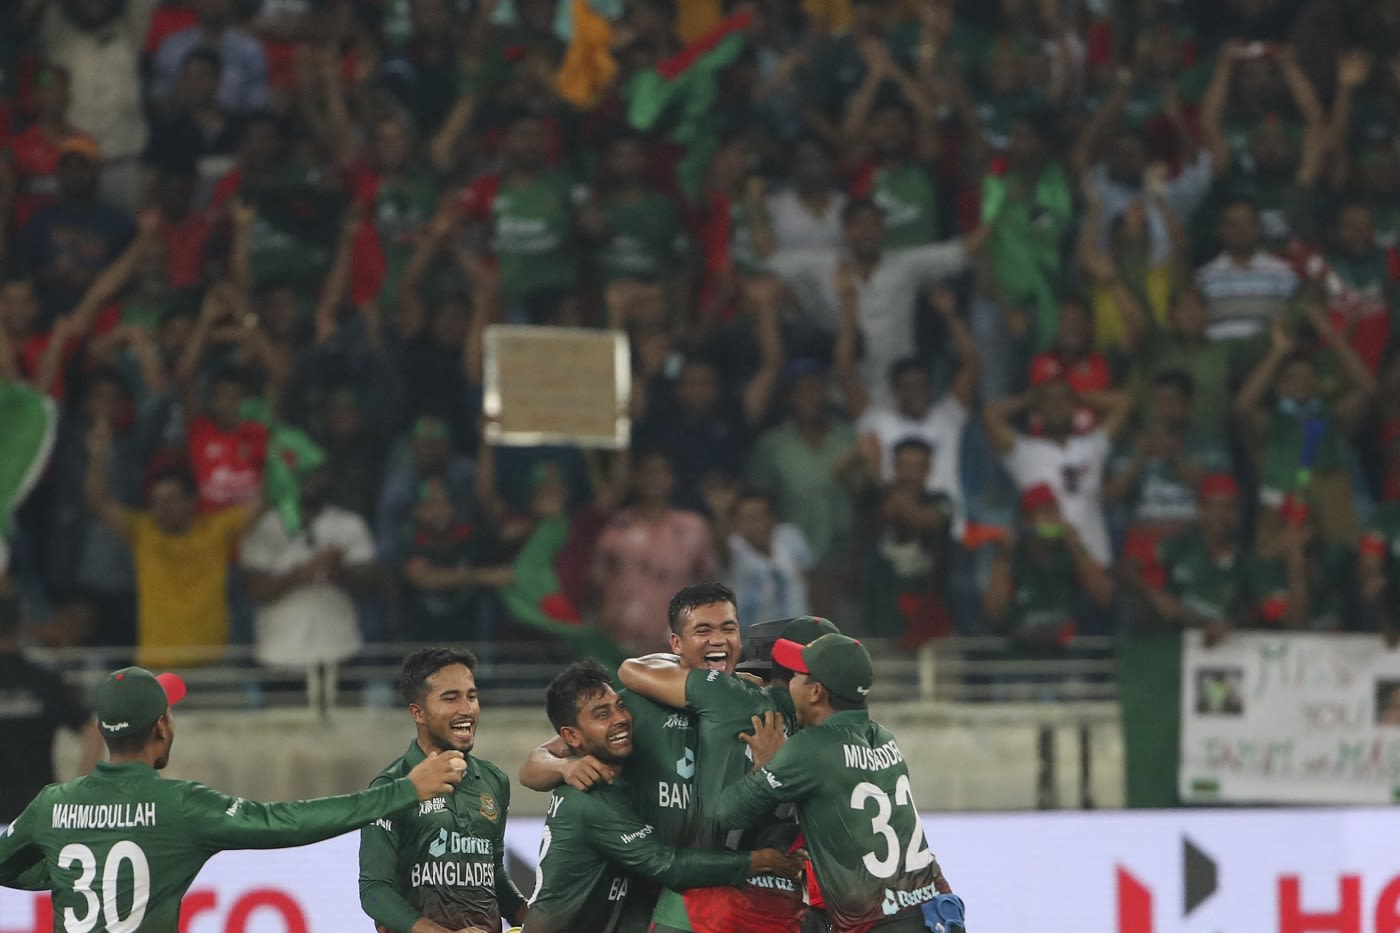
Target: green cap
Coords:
[(761, 636), (130, 700), (840, 664)]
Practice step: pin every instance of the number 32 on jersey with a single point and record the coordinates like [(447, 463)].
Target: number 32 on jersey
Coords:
[(916, 855)]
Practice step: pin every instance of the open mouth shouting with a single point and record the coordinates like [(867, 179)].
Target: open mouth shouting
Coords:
[(463, 730), (620, 740), (717, 659)]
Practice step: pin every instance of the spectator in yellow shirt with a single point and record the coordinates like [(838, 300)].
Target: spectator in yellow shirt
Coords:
[(181, 558)]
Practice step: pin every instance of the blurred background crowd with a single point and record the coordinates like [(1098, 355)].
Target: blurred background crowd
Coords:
[(1035, 317)]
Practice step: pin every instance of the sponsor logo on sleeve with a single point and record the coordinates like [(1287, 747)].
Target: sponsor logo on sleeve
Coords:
[(772, 779), (385, 825), (234, 807), (712, 677), (629, 838)]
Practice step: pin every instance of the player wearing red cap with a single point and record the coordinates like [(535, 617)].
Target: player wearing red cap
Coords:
[(119, 847)]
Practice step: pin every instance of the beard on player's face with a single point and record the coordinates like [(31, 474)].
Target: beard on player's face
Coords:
[(451, 727), (604, 730)]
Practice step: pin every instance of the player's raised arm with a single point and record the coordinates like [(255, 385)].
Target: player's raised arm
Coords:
[(550, 766), (656, 677), (223, 822)]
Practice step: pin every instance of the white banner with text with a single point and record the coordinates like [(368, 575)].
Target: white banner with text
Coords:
[(1291, 718), (1182, 871)]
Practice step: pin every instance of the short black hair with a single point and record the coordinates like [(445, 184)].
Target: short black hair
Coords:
[(912, 443), (859, 206), (424, 663), (695, 596), (16, 277), (206, 55), (178, 473), (1178, 379), (231, 374), (109, 375), (131, 744), (575, 684), (1239, 199), (908, 364)]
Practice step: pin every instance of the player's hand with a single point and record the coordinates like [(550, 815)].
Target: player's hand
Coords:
[(588, 772), (768, 736), (773, 862), (438, 774)]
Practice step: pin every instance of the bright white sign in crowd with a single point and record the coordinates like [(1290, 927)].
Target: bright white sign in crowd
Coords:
[(1260, 871), (1297, 718)]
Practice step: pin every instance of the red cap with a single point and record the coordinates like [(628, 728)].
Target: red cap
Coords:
[(1218, 484), (1046, 367), (788, 654), (1037, 496)]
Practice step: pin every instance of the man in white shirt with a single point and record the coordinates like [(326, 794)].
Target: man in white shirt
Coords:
[(305, 583), (886, 287), (1070, 464), (912, 411), (807, 215)]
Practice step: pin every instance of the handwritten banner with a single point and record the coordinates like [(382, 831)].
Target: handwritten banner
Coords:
[(1290, 719), (557, 385)]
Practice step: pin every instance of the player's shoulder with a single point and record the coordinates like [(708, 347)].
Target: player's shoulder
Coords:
[(394, 770)]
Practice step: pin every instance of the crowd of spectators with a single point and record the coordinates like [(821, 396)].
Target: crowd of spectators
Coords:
[(1038, 317)]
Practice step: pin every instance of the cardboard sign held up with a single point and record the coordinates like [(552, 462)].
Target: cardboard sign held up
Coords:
[(557, 385)]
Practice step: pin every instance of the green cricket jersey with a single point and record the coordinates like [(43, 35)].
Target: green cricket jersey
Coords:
[(122, 845), (533, 235), (444, 860), (851, 787), (594, 844), (1045, 587), (645, 238), (724, 705), (1214, 589), (661, 768)]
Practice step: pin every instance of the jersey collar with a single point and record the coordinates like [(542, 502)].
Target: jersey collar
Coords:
[(125, 767), (848, 718)]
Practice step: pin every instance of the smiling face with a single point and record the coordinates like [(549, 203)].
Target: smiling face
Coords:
[(603, 728), (709, 638), (448, 711)]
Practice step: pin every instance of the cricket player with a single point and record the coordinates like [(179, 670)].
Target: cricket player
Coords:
[(726, 705), (661, 768), (594, 843), (120, 847), (851, 786), (440, 868)]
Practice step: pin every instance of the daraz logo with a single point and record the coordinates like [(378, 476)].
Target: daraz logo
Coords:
[(1198, 872)]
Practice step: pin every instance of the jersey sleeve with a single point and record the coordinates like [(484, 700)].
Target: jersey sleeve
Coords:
[(756, 795), (379, 897), (220, 822), (714, 694), (508, 896), (21, 859), (627, 841)]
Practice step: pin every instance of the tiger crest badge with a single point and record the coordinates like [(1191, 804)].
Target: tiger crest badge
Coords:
[(489, 808)]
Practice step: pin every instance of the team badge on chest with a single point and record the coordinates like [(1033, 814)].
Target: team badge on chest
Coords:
[(488, 807)]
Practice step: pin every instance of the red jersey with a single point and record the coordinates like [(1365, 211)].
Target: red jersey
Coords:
[(1086, 375), (35, 158), (228, 465)]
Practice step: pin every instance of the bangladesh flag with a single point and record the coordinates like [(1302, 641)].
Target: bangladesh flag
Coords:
[(290, 454), (30, 421), (683, 88)]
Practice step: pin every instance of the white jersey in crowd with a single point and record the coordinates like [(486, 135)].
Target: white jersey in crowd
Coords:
[(1075, 471), (941, 427), (772, 585), (313, 624)]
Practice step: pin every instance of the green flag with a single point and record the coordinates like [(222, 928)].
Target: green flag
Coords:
[(290, 454)]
